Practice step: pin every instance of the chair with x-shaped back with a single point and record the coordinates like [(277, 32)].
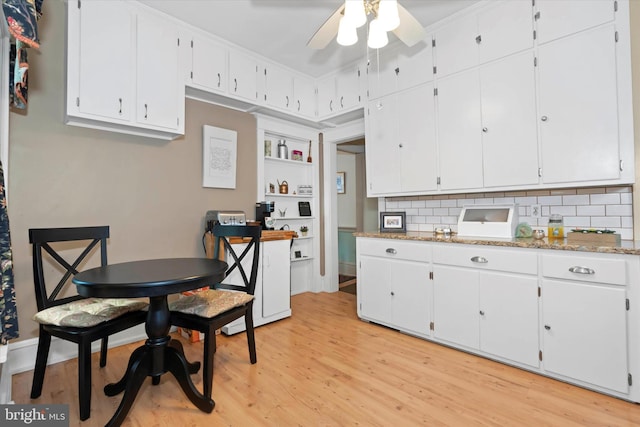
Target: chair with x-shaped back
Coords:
[(74, 318)]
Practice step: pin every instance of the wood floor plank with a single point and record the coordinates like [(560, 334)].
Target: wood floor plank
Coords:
[(325, 367)]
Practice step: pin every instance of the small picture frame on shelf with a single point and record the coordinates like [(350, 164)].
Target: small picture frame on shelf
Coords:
[(298, 254), (393, 222), (304, 208)]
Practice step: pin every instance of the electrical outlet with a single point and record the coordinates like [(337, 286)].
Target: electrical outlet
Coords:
[(536, 211)]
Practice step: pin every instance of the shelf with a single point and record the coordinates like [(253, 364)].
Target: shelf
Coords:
[(300, 237), (297, 162), (304, 258), (287, 218), (293, 196)]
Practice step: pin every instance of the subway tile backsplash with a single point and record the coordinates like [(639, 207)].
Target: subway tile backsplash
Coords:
[(596, 207)]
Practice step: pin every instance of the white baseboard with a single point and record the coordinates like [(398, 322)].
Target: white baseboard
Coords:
[(22, 354)]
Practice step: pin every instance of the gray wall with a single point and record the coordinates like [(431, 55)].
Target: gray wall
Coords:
[(148, 191)]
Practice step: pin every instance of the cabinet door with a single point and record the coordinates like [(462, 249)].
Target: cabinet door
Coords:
[(158, 76), (411, 296), (455, 305), (209, 65), (279, 87), (415, 64), (382, 73), (505, 28), (304, 93), (560, 18), (459, 131), (107, 67), (578, 108), (509, 317), (383, 154), (276, 279), (456, 46), (417, 137), (374, 290), (348, 88), (243, 76), (509, 131), (326, 96), (585, 333)]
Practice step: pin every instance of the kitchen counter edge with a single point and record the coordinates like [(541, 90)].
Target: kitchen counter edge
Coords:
[(627, 247)]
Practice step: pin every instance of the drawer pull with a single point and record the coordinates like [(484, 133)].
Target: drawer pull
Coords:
[(391, 251), (479, 259), (582, 270)]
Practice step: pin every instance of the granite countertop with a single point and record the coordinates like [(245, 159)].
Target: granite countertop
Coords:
[(628, 247)]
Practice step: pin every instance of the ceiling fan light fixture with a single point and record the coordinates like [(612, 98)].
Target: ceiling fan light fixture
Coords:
[(347, 34), (388, 14), (355, 13), (377, 35)]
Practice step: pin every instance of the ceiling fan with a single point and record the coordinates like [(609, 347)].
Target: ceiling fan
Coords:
[(408, 30)]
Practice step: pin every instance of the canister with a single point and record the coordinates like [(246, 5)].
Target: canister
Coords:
[(283, 151), (556, 227)]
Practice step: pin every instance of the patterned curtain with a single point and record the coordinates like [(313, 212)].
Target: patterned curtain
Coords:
[(22, 19), (8, 309)]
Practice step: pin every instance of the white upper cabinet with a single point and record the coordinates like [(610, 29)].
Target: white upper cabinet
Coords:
[(399, 68), (459, 131), (500, 29), (326, 96), (278, 87), (509, 127), (340, 92), (123, 69), (559, 18), (578, 113), (304, 93), (160, 92), (243, 76), (208, 64), (102, 70)]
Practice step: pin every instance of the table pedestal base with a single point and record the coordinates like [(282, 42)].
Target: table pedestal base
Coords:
[(144, 363)]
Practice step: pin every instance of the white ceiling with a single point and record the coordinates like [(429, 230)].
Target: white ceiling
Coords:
[(280, 29)]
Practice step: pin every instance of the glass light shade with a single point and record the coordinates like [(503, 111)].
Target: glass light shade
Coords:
[(377, 36), (354, 12), (388, 14), (347, 34)]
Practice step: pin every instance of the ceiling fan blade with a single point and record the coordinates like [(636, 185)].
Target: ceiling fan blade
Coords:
[(410, 31), (327, 31)]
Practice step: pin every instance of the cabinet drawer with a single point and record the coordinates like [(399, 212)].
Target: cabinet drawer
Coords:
[(516, 261), (397, 249), (585, 268)]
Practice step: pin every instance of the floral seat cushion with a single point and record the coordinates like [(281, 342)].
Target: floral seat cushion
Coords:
[(88, 312), (210, 303)]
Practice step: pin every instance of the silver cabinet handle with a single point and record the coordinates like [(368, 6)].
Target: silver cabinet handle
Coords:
[(287, 101), (331, 105), (485, 130), (547, 327), (392, 294), (146, 111), (218, 79), (481, 313), (235, 82), (479, 259), (544, 118), (298, 105), (120, 101), (582, 270), (391, 251), (342, 102)]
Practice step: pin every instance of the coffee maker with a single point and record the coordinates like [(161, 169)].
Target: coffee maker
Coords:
[(263, 210)]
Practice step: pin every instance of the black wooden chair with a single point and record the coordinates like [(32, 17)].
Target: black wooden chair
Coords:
[(74, 318), (222, 303)]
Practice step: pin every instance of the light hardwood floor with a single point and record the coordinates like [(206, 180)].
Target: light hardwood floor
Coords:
[(324, 367)]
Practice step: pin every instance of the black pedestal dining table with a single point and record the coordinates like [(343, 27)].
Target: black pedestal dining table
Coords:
[(154, 279)]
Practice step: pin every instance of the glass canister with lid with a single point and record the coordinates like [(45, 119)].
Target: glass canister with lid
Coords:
[(556, 227)]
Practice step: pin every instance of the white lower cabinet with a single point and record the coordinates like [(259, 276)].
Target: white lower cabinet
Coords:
[(393, 284), (567, 315), (487, 300), (272, 294), (585, 320)]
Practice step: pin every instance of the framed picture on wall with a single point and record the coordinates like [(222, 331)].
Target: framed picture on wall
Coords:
[(393, 222), (340, 182)]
